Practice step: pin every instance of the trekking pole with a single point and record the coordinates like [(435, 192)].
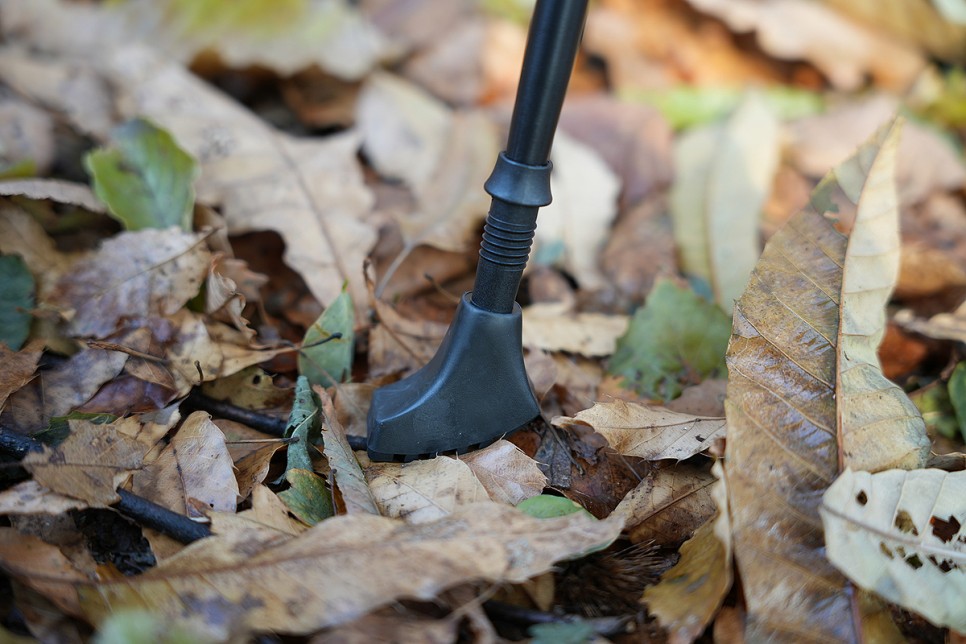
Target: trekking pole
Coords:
[(475, 389)]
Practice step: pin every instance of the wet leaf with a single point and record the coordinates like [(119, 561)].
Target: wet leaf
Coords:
[(89, 465), (647, 432), (220, 585), (806, 396), (309, 499), (324, 359), (724, 173), (675, 338), (16, 301), (144, 177), (900, 534), (689, 595)]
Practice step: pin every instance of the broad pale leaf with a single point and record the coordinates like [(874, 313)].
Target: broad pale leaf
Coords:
[(900, 534), (30, 497), (507, 474), (724, 174), (424, 491), (62, 192), (144, 178), (132, 275), (551, 327), (220, 584), (648, 432), (689, 595), (807, 398), (89, 465), (310, 191)]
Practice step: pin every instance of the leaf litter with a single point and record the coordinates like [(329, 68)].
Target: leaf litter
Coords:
[(326, 235)]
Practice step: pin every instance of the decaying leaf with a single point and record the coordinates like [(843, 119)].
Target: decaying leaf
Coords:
[(552, 327), (144, 178), (64, 192), (304, 425), (42, 567), (345, 468), (220, 585), (18, 368), (900, 534), (310, 191), (690, 594), (133, 275), (675, 338), (647, 432), (669, 505), (30, 497), (308, 498), (89, 465), (194, 468), (724, 174), (806, 396), (507, 474), (424, 491)]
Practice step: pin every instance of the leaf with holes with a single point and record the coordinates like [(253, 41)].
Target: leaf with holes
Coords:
[(901, 535)]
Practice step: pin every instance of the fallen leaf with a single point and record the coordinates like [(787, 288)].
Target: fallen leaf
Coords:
[(63, 192), (845, 51), (218, 587), (195, 467), (271, 511), (675, 338), (942, 326), (348, 475), (18, 368), (423, 491), (251, 469), (723, 174), (308, 498), (506, 473), (574, 227), (551, 327), (133, 275), (41, 566), (16, 301), (249, 388), (398, 345), (652, 433), (547, 506), (144, 177), (325, 359), (30, 497), (352, 400), (640, 250), (704, 399), (668, 505), (689, 595), (304, 425), (89, 464), (257, 174), (21, 234), (26, 139), (806, 396), (899, 534)]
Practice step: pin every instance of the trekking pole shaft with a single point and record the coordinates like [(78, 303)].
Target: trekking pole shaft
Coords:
[(520, 183)]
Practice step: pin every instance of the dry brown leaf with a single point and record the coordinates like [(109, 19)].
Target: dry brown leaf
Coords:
[(352, 400), (225, 584), (925, 271), (270, 510), (844, 50), (647, 432), (806, 397), (26, 136), (345, 468), (133, 275), (30, 497), (398, 345), (424, 491), (506, 473), (310, 191), (689, 595), (640, 249), (194, 467), (21, 234), (18, 367), (942, 326), (41, 566), (393, 625), (89, 464), (251, 469), (669, 505), (551, 326), (704, 399), (64, 192)]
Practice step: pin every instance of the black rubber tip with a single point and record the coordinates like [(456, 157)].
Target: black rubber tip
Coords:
[(474, 391)]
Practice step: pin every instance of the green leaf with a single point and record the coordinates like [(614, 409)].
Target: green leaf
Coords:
[(957, 395), (326, 360), (16, 301), (675, 338), (305, 424), (546, 506), (133, 626), (936, 409), (144, 177), (308, 498), (576, 632)]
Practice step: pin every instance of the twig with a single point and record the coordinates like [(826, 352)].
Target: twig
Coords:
[(131, 505), (525, 616)]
